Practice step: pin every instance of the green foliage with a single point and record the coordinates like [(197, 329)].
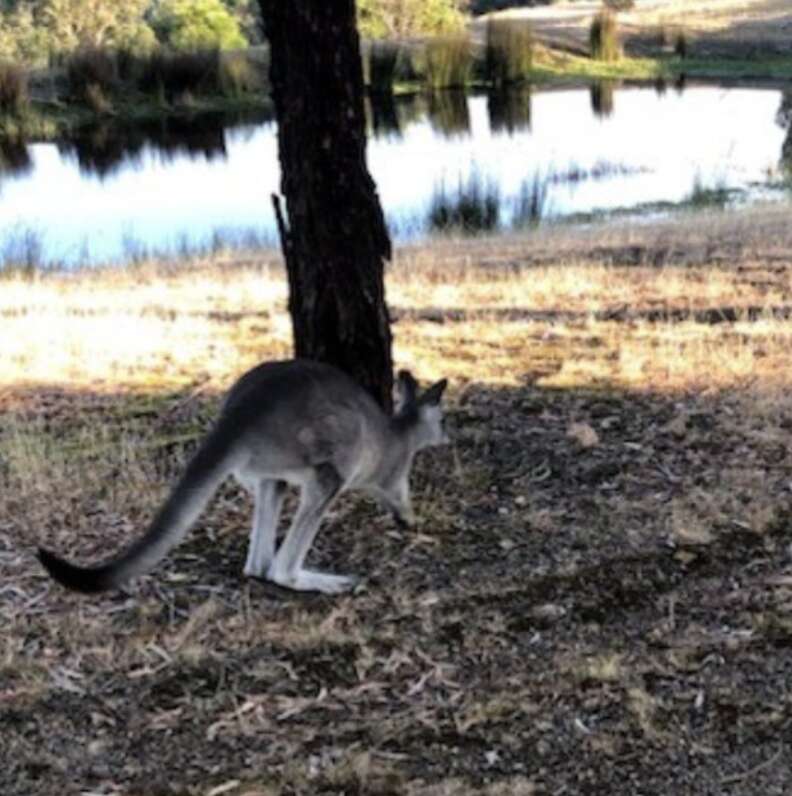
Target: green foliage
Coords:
[(36, 31), (197, 25), (509, 51), (380, 19), (604, 37), (21, 39), (91, 24)]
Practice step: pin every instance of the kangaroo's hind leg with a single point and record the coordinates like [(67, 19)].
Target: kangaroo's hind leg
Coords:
[(316, 494), (268, 495)]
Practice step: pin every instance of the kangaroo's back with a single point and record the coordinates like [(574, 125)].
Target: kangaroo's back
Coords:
[(299, 414)]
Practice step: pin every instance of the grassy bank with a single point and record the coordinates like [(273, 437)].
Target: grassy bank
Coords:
[(555, 66), (123, 88), (106, 87), (602, 555)]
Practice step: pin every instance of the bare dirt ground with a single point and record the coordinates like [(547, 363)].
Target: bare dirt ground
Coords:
[(597, 599), (714, 27)]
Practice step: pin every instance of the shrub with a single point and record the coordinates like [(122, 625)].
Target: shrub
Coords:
[(175, 74), (238, 75), (447, 62), (604, 37), (13, 89), (681, 44), (509, 51), (619, 5), (21, 39), (197, 25), (73, 25)]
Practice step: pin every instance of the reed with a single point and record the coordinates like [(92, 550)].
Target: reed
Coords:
[(604, 37), (448, 62), (509, 52), (174, 74), (532, 203), (474, 207), (380, 65), (449, 113)]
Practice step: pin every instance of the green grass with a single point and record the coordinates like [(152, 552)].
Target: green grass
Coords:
[(555, 67)]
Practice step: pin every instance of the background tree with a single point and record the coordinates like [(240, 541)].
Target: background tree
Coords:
[(197, 24), (394, 18), (72, 24), (335, 240)]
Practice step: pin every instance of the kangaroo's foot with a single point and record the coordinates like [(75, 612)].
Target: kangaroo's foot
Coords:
[(308, 580)]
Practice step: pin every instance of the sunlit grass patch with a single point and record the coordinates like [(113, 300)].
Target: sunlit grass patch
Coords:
[(507, 310), (129, 328)]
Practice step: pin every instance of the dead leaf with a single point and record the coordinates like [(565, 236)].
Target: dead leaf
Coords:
[(584, 434)]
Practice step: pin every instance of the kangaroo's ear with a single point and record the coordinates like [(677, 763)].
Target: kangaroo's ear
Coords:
[(433, 395), (405, 390)]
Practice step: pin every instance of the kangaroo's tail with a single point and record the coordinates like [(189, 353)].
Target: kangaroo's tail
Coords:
[(204, 474)]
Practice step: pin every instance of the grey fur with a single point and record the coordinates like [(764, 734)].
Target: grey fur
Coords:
[(295, 422)]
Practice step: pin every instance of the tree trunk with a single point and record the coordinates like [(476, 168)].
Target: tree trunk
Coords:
[(335, 241)]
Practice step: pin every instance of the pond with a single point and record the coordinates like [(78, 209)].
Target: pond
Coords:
[(483, 161)]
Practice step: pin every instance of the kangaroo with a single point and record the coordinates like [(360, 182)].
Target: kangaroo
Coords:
[(293, 422)]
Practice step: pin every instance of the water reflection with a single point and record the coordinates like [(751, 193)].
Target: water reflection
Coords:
[(14, 158), (509, 110), (104, 148), (384, 116), (449, 113), (602, 92), (495, 160)]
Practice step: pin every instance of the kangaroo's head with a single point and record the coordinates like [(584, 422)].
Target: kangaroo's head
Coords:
[(420, 415), (418, 421)]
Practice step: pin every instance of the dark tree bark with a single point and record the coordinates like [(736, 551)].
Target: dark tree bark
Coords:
[(335, 240)]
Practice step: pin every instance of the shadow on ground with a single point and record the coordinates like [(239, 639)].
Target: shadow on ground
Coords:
[(597, 600)]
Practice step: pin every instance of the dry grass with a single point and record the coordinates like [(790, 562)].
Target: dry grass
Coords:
[(751, 28), (558, 300), (598, 589)]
